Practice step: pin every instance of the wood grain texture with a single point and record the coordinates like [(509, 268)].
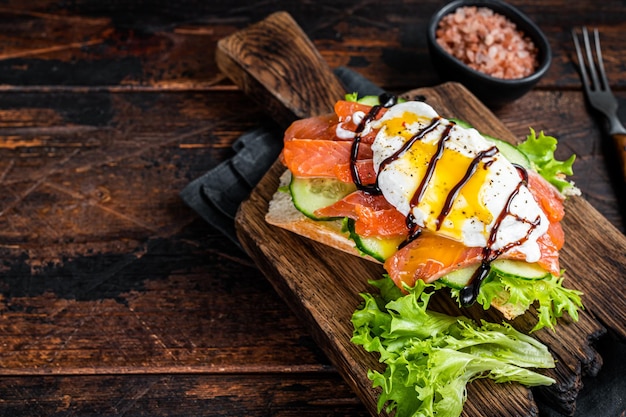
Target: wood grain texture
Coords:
[(80, 171), (134, 45), (158, 310)]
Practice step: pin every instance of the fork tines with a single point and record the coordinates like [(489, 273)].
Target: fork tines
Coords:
[(598, 79), (598, 91)]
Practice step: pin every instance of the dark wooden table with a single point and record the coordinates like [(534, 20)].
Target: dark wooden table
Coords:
[(116, 298)]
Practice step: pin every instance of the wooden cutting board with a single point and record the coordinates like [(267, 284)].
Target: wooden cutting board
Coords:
[(275, 63)]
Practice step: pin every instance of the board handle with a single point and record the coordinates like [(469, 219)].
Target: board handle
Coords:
[(620, 144), (277, 65)]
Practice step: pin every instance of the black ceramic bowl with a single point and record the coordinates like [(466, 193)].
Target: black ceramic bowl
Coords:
[(492, 91)]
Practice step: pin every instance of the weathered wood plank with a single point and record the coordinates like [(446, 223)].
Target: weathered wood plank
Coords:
[(82, 171), (278, 40), (171, 47), (252, 395), (156, 310)]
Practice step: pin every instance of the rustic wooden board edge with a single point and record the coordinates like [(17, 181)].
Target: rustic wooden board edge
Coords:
[(272, 264)]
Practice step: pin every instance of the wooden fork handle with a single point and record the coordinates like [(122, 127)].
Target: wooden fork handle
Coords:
[(620, 143)]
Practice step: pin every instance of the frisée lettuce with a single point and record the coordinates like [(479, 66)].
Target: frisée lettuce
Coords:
[(430, 357), (552, 298), (540, 151)]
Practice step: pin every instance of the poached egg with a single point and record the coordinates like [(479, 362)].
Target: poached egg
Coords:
[(455, 171)]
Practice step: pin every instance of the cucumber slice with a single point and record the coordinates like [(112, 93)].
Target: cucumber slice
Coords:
[(369, 100), (310, 194), (503, 267), (519, 269), (378, 248), (460, 278), (509, 151)]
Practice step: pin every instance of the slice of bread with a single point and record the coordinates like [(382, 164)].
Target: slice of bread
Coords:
[(284, 214)]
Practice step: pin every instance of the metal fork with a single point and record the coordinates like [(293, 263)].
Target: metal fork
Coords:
[(598, 91)]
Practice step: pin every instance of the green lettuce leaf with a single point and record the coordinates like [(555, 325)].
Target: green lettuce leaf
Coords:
[(553, 299), (540, 151), (351, 96), (430, 357)]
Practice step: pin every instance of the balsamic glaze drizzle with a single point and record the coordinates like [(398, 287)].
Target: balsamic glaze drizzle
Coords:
[(386, 100), (432, 164), (469, 293), (414, 229), (354, 150), (409, 143)]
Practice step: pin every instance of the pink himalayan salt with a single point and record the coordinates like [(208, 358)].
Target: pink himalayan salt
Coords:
[(487, 42)]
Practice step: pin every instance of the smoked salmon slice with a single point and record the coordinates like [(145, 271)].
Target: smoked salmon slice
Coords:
[(328, 159), (321, 127), (431, 256), (548, 197), (428, 258), (373, 215), (345, 111), (313, 149)]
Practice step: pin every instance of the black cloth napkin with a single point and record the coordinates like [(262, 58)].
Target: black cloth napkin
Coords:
[(216, 195)]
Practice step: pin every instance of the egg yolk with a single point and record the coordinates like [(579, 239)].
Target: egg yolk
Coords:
[(449, 171)]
